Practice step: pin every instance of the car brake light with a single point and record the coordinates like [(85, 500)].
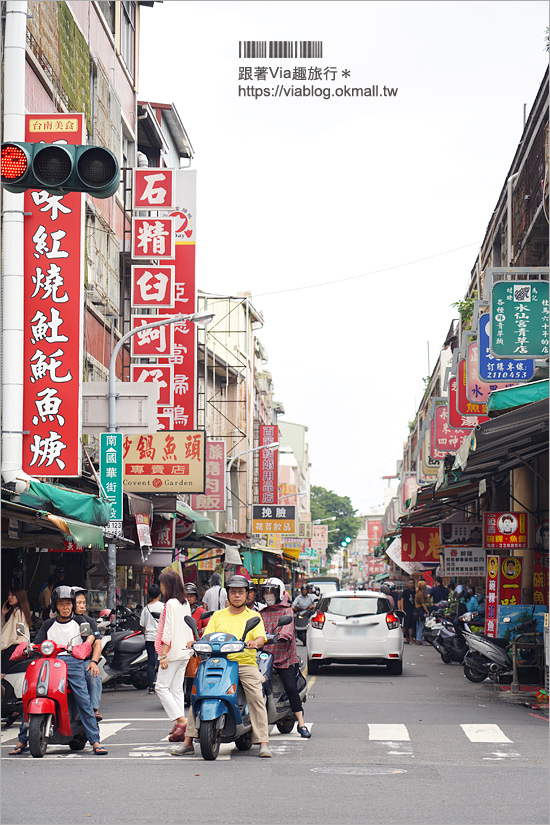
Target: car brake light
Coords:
[(318, 620), (392, 621)]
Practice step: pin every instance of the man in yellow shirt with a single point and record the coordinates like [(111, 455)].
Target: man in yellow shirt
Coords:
[(233, 620)]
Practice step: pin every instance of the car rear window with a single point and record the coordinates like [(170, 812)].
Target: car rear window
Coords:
[(354, 605)]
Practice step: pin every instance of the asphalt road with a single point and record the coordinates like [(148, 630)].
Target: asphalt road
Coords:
[(424, 747)]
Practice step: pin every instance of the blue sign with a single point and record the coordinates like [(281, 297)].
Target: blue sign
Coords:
[(500, 369)]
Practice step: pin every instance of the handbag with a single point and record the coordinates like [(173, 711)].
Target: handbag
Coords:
[(192, 667)]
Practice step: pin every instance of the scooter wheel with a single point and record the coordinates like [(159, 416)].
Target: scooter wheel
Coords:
[(37, 735), (286, 725), (474, 675), (209, 739), (446, 659), (78, 744), (244, 743)]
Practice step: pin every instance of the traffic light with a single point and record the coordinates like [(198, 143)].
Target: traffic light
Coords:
[(59, 169)]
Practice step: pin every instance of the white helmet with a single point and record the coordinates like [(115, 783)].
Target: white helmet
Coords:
[(277, 585)]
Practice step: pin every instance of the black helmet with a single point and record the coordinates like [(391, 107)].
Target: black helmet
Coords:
[(460, 592), (62, 592), (191, 589), (238, 581)]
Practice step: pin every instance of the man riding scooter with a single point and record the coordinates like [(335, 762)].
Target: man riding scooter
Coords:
[(62, 629), (232, 620)]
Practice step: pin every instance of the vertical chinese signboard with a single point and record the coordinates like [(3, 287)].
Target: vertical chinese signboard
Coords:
[(111, 474), (492, 596), (504, 587), (519, 315), (213, 497), (170, 197), (269, 434), (53, 308)]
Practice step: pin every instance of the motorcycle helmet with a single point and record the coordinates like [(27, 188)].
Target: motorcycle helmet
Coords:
[(238, 581), (385, 589), (105, 613), (460, 592), (77, 590), (277, 586), (62, 592), (191, 589)]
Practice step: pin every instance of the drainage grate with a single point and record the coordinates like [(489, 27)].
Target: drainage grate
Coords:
[(357, 771)]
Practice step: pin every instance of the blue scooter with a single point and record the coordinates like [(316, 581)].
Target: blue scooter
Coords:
[(220, 708)]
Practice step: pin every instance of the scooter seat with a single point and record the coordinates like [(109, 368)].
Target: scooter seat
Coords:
[(503, 643)]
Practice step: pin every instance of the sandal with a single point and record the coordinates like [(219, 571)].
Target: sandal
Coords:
[(178, 734), (100, 751), (19, 749)]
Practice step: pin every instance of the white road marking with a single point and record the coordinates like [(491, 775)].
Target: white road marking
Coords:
[(107, 729), (10, 734), (389, 733), (484, 733)]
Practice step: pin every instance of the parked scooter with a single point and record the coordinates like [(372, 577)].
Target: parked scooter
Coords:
[(490, 657), (124, 659), (219, 704), (450, 642), (301, 621), (48, 702), (12, 700), (278, 707)]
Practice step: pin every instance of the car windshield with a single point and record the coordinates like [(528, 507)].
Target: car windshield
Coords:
[(355, 605)]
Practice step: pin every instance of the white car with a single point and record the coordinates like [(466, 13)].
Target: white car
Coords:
[(355, 627)]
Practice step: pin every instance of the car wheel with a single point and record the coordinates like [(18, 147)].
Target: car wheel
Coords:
[(395, 668), (312, 667)]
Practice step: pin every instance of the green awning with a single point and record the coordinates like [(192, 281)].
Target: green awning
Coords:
[(381, 576), (81, 506), (87, 536), (507, 399), (203, 525)]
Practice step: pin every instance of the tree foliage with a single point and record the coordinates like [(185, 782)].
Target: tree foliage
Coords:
[(326, 503)]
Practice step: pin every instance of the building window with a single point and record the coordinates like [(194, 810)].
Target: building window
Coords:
[(108, 11), (128, 34)]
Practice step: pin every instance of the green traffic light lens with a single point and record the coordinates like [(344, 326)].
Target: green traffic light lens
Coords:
[(97, 167), (52, 166)]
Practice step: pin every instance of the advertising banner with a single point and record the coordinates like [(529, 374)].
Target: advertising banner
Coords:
[(319, 536), (170, 462), (153, 188), (163, 533), (445, 438), (491, 601), (110, 471), (519, 315), (475, 388), (420, 544), (153, 287), (463, 561), (505, 531), (151, 343), (269, 461), (213, 497), (510, 580), (153, 238), (463, 403), (491, 369), (461, 533), (162, 376), (279, 519), (540, 577), (456, 420), (53, 312)]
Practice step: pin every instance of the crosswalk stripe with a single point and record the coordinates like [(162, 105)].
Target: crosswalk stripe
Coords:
[(107, 729), (484, 733), (391, 733)]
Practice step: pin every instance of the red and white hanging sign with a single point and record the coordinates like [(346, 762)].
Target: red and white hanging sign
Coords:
[(269, 460), (446, 438), (156, 374), (154, 342), (153, 286), (53, 309), (457, 421), (153, 238), (153, 188), (463, 403)]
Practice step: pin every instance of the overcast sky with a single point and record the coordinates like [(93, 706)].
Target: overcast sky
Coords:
[(363, 192)]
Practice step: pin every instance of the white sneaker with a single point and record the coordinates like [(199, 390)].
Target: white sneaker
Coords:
[(179, 749), (264, 750)]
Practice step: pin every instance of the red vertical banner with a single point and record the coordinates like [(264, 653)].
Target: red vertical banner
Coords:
[(491, 602), (540, 577), (213, 498), (511, 577), (269, 460), (53, 310)]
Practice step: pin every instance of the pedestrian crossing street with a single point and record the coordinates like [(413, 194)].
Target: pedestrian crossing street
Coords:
[(385, 743)]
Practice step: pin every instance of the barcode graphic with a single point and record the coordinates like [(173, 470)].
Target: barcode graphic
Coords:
[(280, 49)]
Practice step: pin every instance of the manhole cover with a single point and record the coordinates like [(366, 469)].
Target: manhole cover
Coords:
[(357, 771)]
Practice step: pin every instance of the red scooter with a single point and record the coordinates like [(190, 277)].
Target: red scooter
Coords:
[(48, 703)]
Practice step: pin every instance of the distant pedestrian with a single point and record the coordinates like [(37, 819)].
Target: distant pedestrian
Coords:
[(149, 621), (215, 597), (420, 610), (439, 593), (406, 604)]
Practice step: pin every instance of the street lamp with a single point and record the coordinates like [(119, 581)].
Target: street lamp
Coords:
[(320, 520), (203, 318), (228, 477)]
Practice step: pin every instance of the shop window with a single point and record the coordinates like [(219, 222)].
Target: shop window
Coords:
[(128, 34)]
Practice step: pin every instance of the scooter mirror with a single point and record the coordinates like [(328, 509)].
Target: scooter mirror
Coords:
[(190, 622), (250, 625), (20, 628), (284, 620), (85, 629), (207, 614)]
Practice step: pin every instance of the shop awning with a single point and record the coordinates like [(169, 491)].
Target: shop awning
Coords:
[(508, 399), (273, 550), (43, 529), (72, 503), (203, 526), (380, 577)]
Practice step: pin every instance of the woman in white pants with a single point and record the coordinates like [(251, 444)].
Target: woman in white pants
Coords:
[(171, 646)]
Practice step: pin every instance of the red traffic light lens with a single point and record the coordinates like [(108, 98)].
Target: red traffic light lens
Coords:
[(14, 162)]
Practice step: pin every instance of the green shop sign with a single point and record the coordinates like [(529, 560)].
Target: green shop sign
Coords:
[(519, 318), (111, 475)]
